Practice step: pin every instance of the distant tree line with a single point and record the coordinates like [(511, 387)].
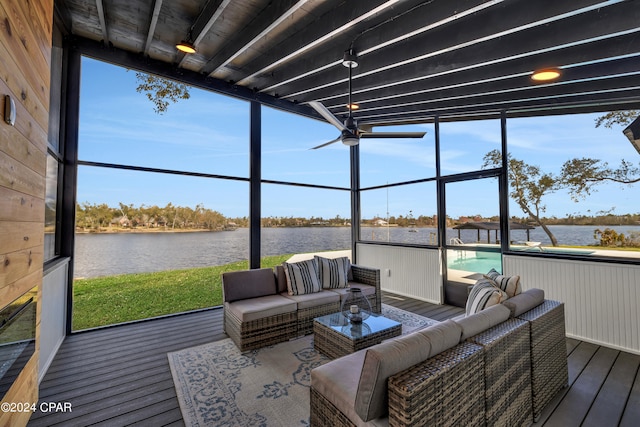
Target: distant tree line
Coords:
[(97, 217), (94, 217), (102, 217)]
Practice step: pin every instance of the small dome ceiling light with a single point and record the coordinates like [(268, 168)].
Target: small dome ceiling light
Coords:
[(186, 47), (546, 74)]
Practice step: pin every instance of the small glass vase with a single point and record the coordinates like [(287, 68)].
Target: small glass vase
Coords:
[(355, 307)]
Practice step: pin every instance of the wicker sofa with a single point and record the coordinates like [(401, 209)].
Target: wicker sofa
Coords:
[(258, 310), (501, 366)]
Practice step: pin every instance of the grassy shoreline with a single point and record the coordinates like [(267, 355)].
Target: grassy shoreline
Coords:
[(109, 300)]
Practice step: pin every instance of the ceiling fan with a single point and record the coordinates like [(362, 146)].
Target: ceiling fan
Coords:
[(350, 132)]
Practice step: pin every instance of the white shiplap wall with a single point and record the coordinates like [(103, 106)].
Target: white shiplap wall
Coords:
[(413, 272), (602, 300)]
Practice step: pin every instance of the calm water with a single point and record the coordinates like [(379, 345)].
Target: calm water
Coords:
[(108, 254)]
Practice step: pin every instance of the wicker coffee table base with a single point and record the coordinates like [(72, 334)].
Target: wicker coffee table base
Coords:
[(334, 344)]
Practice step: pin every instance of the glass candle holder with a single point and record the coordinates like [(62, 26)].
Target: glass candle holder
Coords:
[(355, 307)]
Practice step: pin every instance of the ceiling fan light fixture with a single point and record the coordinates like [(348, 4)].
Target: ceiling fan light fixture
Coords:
[(186, 47), (546, 74), (350, 140), (350, 59)]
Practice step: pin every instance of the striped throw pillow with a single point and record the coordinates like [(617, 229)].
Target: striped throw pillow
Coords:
[(302, 277), (484, 294), (333, 272), (509, 284)]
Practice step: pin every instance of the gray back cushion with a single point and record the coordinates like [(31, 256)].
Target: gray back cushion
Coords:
[(525, 301), (474, 324), (281, 279), (238, 285)]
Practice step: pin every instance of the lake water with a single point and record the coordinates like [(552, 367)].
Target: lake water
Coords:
[(109, 254)]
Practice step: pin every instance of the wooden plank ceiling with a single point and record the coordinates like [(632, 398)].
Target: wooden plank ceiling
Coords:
[(417, 59)]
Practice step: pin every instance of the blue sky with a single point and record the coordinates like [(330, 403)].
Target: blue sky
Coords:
[(209, 133)]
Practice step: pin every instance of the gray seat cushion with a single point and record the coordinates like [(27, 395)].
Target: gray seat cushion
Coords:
[(313, 300), (257, 308)]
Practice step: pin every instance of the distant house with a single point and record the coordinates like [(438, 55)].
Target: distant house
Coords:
[(380, 222), (121, 221)]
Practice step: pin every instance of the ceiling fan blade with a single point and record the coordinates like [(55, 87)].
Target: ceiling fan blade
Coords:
[(327, 143), (392, 134), (324, 112)]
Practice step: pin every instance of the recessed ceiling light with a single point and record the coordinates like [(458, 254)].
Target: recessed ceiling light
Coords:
[(186, 47), (546, 74)]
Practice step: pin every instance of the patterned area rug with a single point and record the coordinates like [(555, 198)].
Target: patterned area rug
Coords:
[(218, 386)]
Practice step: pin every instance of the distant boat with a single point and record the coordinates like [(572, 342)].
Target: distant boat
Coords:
[(413, 230)]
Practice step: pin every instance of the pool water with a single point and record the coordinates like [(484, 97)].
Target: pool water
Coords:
[(476, 262)]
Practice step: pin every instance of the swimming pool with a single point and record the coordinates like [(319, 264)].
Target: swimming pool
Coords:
[(472, 261)]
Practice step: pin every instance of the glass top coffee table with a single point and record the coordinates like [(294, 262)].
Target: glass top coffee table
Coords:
[(335, 337)]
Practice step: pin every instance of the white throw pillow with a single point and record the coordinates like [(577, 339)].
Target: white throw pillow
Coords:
[(484, 294), (510, 284)]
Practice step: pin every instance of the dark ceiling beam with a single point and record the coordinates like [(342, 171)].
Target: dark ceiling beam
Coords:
[(269, 18), (604, 93), (489, 93), (579, 58), (207, 17), (519, 92), (62, 16), (596, 104), (434, 37), (502, 76), (343, 19), (209, 14), (139, 62), (103, 22), (416, 57), (528, 49), (157, 5), (417, 19)]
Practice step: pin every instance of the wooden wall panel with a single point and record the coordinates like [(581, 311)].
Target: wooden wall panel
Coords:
[(25, 63), (21, 40)]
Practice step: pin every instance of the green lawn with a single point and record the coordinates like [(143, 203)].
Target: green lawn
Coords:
[(114, 299)]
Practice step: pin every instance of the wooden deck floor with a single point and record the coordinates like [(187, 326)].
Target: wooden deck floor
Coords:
[(120, 376)]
